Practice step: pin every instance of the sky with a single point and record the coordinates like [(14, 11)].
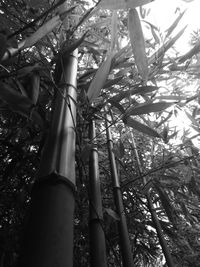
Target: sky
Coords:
[(163, 14)]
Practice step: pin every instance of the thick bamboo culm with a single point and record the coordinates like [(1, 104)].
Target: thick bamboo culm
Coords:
[(125, 246), (154, 217), (97, 237), (49, 233)]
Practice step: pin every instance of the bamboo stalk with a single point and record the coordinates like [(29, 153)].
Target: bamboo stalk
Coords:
[(97, 237), (154, 217), (122, 224), (49, 234)]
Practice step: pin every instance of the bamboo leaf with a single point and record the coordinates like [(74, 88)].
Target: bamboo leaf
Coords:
[(142, 12), (122, 4), (99, 79), (171, 97), (137, 3), (138, 43), (14, 99), (45, 29), (3, 41), (161, 51), (36, 118), (192, 119), (36, 3), (173, 135), (165, 119), (109, 83), (167, 229), (117, 105), (146, 188), (155, 36), (102, 22), (151, 25), (42, 31), (85, 154), (123, 52), (28, 69), (154, 29), (121, 149), (166, 203), (141, 127), (21, 88), (175, 38), (19, 103), (66, 51), (112, 214), (113, 31), (144, 89), (148, 108), (123, 66), (174, 24), (168, 179), (137, 90), (195, 50), (116, 152), (33, 88), (165, 133)]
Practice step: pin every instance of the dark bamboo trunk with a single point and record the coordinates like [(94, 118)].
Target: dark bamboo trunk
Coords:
[(158, 228), (49, 234), (122, 224), (97, 237)]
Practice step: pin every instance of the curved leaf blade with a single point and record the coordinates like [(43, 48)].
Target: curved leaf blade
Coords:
[(195, 50), (42, 31), (163, 49), (136, 90), (138, 43), (112, 214), (171, 97), (13, 98), (122, 4), (174, 24), (113, 31), (19, 103), (3, 41), (169, 209), (141, 127), (33, 88), (148, 108), (109, 83), (99, 79)]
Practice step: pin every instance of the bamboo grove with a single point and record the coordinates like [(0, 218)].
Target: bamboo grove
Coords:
[(93, 172)]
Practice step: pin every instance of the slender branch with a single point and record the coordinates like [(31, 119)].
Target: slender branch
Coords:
[(154, 216), (167, 166)]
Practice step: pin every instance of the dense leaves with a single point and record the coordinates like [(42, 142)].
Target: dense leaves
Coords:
[(145, 85)]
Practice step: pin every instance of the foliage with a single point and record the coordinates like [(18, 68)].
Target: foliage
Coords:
[(144, 83)]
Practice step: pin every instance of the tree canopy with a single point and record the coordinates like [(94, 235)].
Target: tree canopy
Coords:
[(128, 70)]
